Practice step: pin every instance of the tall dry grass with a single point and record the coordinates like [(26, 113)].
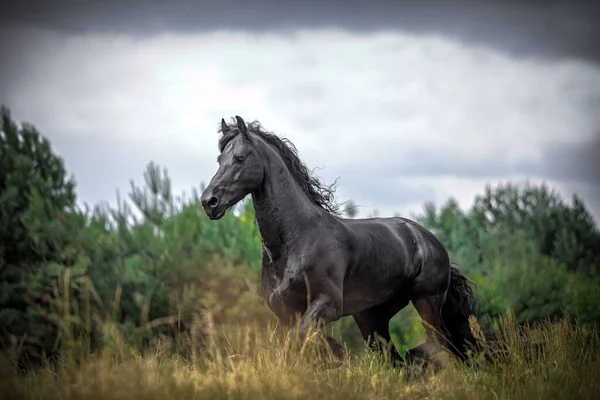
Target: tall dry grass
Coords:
[(557, 360), (261, 363)]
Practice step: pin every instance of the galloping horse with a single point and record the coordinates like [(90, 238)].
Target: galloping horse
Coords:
[(368, 268)]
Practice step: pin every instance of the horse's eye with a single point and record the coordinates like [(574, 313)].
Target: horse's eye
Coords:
[(239, 159)]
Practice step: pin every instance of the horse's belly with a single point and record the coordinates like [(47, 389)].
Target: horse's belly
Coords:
[(363, 295), (366, 288)]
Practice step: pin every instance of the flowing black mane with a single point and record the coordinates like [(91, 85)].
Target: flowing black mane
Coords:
[(320, 194)]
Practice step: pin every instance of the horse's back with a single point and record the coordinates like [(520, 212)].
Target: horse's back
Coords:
[(398, 232)]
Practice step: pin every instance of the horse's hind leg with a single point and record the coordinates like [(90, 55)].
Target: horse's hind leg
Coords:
[(430, 311), (374, 325)]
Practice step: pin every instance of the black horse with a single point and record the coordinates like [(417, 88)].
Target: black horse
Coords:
[(324, 267)]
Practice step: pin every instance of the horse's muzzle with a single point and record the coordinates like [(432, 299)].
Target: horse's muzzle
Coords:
[(212, 206)]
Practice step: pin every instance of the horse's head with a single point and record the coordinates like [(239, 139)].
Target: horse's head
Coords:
[(241, 170)]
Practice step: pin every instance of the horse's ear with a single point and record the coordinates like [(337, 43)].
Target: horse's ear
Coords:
[(224, 126), (241, 125)]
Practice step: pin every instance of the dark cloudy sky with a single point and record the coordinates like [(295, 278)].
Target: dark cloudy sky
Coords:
[(406, 102)]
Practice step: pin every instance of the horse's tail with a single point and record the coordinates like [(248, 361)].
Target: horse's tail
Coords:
[(460, 304)]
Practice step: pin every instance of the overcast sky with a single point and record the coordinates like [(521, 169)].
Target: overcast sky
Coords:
[(405, 103)]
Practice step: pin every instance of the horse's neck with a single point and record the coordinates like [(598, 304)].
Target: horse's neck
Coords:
[(282, 210)]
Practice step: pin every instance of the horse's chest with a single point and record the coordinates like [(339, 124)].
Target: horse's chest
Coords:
[(271, 278), (272, 275)]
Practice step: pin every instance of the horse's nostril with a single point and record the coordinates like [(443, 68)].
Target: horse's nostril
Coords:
[(212, 202)]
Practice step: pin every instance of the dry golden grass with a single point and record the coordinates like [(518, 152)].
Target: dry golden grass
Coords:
[(258, 363)]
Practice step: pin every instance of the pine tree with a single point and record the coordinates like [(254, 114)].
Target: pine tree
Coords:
[(38, 225), (565, 233)]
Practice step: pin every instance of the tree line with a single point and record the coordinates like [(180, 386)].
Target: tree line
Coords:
[(69, 273)]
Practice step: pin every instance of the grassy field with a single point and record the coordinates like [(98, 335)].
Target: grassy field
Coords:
[(553, 360)]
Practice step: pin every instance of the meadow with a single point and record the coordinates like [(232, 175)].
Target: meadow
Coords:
[(253, 362), (150, 299)]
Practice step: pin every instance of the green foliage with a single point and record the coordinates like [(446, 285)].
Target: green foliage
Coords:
[(525, 249), (36, 245), (151, 265), (565, 233)]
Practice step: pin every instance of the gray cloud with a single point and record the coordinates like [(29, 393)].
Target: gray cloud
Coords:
[(577, 163), (558, 28), (434, 162), (402, 119), (372, 190)]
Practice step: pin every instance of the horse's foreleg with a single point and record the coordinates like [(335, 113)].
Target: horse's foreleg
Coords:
[(324, 309)]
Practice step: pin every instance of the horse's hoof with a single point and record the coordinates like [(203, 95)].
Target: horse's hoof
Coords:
[(434, 366), (397, 363), (332, 363), (336, 348)]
